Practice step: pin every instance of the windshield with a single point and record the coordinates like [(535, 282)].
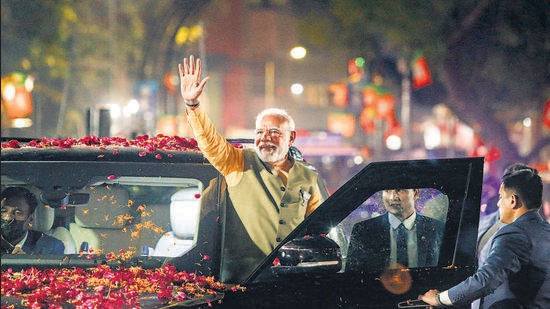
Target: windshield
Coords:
[(126, 209)]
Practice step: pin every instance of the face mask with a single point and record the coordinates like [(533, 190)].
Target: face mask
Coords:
[(12, 229)]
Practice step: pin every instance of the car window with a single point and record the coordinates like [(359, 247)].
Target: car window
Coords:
[(130, 209), (151, 216), (137, 214), (372, 244)]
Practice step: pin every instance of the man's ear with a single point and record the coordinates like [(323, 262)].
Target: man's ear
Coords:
[(30, 219), (292, 137), (515, 202)]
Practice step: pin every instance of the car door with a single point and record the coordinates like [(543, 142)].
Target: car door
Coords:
[(310, 268)]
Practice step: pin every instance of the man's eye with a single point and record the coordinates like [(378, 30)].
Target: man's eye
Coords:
[(271, 132)]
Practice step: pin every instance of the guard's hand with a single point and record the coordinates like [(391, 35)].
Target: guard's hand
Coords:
[(190, 78), (429, 298)]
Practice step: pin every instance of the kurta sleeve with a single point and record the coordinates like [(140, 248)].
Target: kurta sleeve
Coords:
[(227, 159)]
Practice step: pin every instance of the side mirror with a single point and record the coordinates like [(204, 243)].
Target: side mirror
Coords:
[(309, 254)]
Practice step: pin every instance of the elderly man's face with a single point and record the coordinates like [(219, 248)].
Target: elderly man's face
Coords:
[(273, 138), (400, 202)]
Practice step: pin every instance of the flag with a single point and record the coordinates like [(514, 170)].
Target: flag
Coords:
[(420, 73), (546, 114)]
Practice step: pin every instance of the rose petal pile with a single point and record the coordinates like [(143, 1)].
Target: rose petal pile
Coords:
[(150, 144), (104, 287)]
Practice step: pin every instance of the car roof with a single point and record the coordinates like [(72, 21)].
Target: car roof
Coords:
[(159, 148)]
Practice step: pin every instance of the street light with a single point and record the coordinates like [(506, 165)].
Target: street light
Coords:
[(298, 52), (297, 89)]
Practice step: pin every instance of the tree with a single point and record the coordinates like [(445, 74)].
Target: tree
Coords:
[(33, 42), (85, 53), (490, 56)]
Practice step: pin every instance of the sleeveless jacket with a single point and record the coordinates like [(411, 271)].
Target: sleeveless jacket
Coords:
[(261, 212)]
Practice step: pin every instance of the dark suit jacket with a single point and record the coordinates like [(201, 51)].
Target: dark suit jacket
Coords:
[(503, 291), (520, 253), (369, 248), (40, 243)]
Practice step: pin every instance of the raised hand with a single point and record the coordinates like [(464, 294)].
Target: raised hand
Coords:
[(190, 78)]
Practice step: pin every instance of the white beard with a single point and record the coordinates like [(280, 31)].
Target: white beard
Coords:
[(276, 155)]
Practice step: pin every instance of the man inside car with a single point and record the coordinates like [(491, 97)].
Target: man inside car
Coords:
[(18, 206), (401, 236)]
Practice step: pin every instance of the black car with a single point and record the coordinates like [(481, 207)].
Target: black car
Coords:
[(111, 198)]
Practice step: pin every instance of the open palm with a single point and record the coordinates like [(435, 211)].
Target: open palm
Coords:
[(190, 75)]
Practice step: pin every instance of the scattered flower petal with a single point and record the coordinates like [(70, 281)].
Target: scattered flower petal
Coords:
[(105, 287)]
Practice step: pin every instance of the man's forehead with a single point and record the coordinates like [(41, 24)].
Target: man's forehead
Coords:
[(273, 119), (504, 190), (19, 203)]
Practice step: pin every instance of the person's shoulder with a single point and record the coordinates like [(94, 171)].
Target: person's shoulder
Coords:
[(39, 242), (431, 221), (530, 222), (517, 229), (249, 154), (45, 240), (487, 221), (306, 168), (428, 219), (374, 221), (34, 236)]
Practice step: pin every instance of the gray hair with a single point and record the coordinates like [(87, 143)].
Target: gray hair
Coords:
[(276, 112)]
